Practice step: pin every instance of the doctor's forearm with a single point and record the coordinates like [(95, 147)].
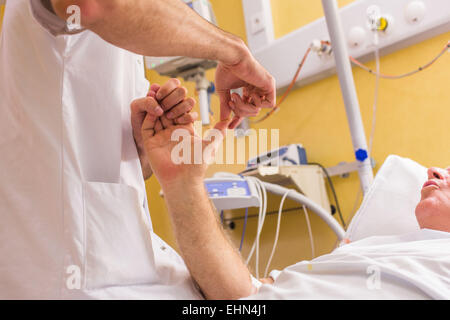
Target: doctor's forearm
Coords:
[(212, 261), (156, 28)]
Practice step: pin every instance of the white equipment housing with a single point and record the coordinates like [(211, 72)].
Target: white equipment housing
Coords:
[(290, 155), (231, 192)]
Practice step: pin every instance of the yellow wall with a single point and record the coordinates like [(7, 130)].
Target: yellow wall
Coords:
[(412, 122), (2, 9)]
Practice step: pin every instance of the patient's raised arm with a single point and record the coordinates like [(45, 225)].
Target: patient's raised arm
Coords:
[(211, 259)]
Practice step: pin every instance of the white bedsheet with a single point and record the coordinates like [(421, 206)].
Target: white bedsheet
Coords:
[(410, 266)]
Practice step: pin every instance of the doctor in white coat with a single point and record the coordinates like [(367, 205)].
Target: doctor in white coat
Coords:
[(74, 221)]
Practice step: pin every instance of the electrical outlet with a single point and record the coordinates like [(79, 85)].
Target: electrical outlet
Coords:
[(357, 37), (415, 12), (257, 23)]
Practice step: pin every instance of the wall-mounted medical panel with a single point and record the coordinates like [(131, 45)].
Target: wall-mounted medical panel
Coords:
[(410, 22)]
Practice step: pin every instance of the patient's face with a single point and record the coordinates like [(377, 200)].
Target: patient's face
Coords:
[(433, 210)]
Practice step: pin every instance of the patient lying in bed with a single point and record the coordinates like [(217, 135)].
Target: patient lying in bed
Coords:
[(415, 265)]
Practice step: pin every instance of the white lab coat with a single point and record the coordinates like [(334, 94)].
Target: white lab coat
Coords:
[(73, 216)]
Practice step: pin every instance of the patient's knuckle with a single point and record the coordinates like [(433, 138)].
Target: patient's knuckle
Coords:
[(182, 91), (191, 102), (176, 112), (151, 102), (188, 106), (174, 82)]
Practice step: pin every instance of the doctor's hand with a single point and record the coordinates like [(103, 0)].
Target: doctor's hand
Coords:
[(177, 155), (258, 88), (172, 101)]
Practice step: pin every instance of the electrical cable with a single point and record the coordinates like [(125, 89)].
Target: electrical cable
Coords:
[(255, 247), (311, 205), (392, 77), (377, 89), (243, 229), (291, 85), (354, 61), (280, 210), (262, 194), (311, 240), (336, 201), (260, 200), (269, 213), (260, 230)]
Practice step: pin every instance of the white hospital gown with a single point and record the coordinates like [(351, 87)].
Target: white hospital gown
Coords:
[(410, 266)]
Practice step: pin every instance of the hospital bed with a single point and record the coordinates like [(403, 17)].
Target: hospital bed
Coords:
[(387, 257), (410, 266)]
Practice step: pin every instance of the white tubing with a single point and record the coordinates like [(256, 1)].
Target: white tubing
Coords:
[(311, 240), (262, 195), (277, 233), (317, 209), (377, 89)]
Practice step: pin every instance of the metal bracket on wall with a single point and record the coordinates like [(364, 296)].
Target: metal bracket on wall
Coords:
[(344, 169)]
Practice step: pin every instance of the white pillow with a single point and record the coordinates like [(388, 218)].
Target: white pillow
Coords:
[(388, 208)]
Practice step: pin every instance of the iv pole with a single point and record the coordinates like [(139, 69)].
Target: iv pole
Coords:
[(344, 71)]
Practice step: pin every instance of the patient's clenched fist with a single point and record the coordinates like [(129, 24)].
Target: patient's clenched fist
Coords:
[(173, 99)]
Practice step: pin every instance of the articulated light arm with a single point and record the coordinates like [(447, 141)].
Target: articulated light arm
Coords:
[(344, 71)]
